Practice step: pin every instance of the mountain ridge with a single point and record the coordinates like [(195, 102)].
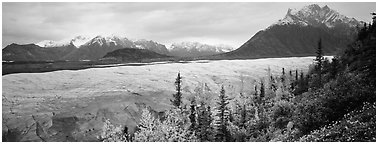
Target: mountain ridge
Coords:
[(315, 15), (297, 35)]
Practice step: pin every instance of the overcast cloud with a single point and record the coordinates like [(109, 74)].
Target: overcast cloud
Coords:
[(166, 23)]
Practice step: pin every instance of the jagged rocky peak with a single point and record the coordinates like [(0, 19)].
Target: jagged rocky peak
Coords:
[(79, 40), (315, 15), (147, 44), (144, 44), (100, 40)]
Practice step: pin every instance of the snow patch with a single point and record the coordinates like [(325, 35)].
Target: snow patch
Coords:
[(201, 47), (140, 47), (315, 15), (78, 41), (50, 43)]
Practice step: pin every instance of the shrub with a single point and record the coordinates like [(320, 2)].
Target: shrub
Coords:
[(356, 126), (111, 133)]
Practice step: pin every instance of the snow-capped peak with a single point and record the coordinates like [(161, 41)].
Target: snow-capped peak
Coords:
[(315, 15), (79, 40), (50, 43), (46, 43), (224, 48), (143, 43), (201, 47), (76, 41), (101, 40)]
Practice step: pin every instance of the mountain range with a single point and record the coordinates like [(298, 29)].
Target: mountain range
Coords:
[(296, 34), (86, 48)]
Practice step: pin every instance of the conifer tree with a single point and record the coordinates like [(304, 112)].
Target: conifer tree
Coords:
[(175, 127), (192, 116), (110, 133), (262, 89), (318, 64), (147, 126), (222, 134), (240, 114), (363, 32), (243, 116), (283, 75), (302, 85), (256, 92), (177, 97), (204, 131), (334, 67), (290, 73), (209, 119), (319, 56)]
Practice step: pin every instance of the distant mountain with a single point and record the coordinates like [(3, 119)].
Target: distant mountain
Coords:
[(97, 47), (32, 52), (132, 55), (76, 41), (196, 49), (152, 46), (298, 32), (87, 48), (77, 48)]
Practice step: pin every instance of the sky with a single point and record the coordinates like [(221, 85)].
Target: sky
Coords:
[(165, 22)]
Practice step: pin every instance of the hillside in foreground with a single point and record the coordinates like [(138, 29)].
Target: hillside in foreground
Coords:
[(335, 101)]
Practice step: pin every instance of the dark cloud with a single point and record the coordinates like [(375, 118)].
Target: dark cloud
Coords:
[(228, 23)]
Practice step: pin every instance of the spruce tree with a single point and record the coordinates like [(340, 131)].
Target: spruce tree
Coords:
[(283, 75), (290, 74), (222, 133), (243, 116), (192, 116), (209, 119), (262, 89), (204, 131), (334, 67), (301, 85), (256, 92), (319, 56), (177, 97), (147, 126), (240, 113), (318, 63)]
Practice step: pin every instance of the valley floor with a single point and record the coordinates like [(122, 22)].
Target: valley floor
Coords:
[(70, 105)]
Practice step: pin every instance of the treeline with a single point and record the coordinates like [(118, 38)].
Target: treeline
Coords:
[(334, 101)]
